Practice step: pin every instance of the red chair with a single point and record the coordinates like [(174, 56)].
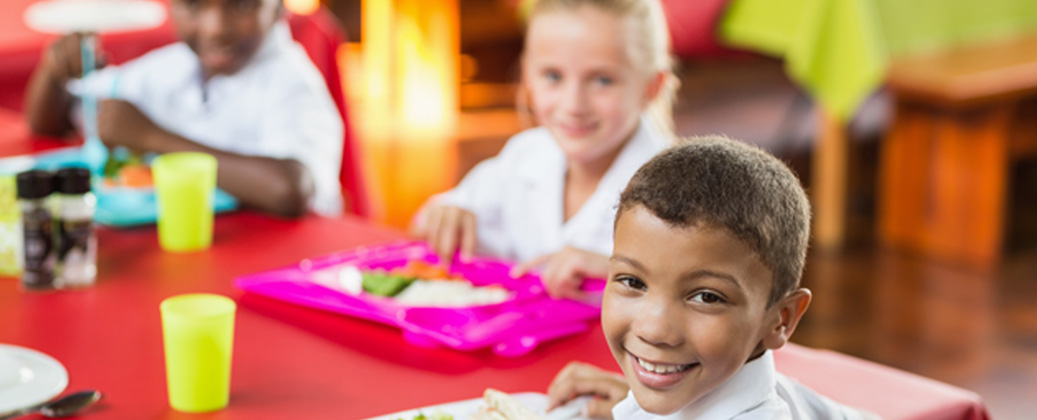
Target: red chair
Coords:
[(320, 35), (693, 26), (891, 393)]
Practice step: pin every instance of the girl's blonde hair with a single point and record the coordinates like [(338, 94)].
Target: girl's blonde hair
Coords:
[(650, 44)]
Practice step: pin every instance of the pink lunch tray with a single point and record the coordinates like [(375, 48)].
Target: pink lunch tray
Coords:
[(512, 328)]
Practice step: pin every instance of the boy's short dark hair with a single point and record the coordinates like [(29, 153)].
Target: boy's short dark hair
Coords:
[(718, 182)]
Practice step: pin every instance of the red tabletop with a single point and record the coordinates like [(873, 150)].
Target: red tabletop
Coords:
[(294, 362), (15, 138), (289, 362)]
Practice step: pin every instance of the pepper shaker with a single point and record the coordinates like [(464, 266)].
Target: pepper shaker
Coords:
[(39, 257)]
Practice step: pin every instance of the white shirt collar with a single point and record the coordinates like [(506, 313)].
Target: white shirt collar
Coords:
[(750, 387)]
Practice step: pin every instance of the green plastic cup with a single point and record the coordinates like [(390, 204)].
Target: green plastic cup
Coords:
[(198, 332), (185, 183), (10, 227)]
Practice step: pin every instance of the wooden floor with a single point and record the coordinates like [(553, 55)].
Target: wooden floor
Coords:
[(977, 330), (973, 328)]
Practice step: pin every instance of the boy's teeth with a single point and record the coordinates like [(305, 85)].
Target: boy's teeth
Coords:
[(661, 369)]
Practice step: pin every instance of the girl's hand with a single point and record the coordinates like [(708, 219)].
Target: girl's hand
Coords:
[(120, 123), (446, 229), (64, 60), (577, 379), (563, 271)]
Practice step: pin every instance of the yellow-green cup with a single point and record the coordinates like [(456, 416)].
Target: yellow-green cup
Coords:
[(184, 185), (10, 227), (198, 332)]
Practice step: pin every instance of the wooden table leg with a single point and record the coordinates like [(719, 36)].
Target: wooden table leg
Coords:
[(944, 181), (829, 182)]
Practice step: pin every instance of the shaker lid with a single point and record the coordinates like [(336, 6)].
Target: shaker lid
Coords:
[(34, 184), (73, 181)]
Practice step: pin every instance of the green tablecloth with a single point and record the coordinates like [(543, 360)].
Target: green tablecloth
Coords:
[(839, 49)]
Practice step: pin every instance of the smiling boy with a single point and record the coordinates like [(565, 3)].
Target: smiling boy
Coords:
[(710, 242), (237, 87)]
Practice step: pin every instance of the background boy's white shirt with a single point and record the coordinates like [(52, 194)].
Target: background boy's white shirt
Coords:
[(277, 106), (517, 196), (756, 392)]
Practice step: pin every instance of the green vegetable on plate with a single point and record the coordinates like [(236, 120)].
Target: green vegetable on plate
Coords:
[(385, 284)]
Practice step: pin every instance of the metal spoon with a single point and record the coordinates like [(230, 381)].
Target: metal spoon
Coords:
[(61, 407)]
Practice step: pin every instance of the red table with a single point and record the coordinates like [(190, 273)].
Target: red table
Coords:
[(293, 362), (289, 362), (15, 138)]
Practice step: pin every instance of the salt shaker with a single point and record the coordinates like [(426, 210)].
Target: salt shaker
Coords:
[(74, 207)]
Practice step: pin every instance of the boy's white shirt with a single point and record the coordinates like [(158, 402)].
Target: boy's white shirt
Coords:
[(277, 106), (756, 392), (517, 196)]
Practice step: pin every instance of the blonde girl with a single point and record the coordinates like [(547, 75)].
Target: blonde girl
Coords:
[(600, 87)]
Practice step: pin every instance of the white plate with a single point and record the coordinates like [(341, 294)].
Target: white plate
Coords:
[(462, 410), (28, 377), (65, 16)]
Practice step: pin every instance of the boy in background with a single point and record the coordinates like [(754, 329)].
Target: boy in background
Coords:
[(236, 87), (710, 242)]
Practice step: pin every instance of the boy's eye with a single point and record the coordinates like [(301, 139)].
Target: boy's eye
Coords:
[(631, 282), (603, 80), (552, 76), (707, 297)]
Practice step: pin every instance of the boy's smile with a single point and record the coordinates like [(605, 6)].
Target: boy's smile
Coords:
[(684, 309), (659, 375), (224, 34)]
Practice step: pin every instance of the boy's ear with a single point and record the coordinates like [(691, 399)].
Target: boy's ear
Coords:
[(790, 311)]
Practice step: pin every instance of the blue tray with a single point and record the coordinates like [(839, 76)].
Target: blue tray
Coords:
[(121, 207)]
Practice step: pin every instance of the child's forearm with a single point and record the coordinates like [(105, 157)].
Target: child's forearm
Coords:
[(47, 104), (282, 187)]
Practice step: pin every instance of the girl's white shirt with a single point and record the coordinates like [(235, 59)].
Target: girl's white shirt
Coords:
[(756, 392), (517, 196)]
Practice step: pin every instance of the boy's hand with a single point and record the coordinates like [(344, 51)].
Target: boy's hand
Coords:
[(563, 271), (447, 228), (120, 123), (578, 379), (64, 60)]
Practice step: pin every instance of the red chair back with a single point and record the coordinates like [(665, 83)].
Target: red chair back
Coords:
[(320, 35), (692, 26)]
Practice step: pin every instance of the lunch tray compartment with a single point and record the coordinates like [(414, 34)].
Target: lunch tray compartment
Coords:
[(511, 328)]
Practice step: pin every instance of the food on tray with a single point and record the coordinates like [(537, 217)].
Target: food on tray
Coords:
[(451, 294), (424, 270), (439, 415), (416, 284), (385, 284), (391, 283), (501, 406), (130, 172)]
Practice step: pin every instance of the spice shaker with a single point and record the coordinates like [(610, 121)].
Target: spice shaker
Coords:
[(76, 243), (39, 257)]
